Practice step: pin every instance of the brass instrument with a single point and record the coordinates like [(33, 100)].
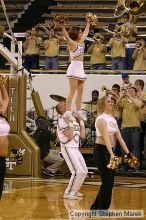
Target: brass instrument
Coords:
[(139, 45), (46, 30), (28, 34), (60, 19), (92, 18), (52, 26), (114, 163), (118, 29), (3, 79), (104, 89), (97, 37), (135, 7), (132, 160)]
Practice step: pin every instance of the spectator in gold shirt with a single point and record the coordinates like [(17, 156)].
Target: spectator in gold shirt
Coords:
[(98, 52), (139, 56), (130, 129), (51, 46), (32, 49), (129, 30), (117, 45)]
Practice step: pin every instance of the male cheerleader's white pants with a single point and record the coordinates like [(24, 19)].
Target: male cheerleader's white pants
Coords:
[(77, 167)]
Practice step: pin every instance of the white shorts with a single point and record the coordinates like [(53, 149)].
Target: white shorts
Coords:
[(76, 70)]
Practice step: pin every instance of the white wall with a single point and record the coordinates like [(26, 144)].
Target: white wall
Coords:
[(47, 84)]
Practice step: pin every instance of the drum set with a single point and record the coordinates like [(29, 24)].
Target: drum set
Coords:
[(91, 114)]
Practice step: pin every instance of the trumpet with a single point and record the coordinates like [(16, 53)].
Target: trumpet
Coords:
[(3, 79), (60, 19), (139, 45), (118, 29), (104, 89), (28, 34), (92, 18), (125, 89)]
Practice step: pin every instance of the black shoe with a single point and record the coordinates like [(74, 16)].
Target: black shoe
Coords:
[(47, 172), (58, 173)]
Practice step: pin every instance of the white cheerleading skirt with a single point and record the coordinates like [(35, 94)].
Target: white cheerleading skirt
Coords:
[(76, 70)]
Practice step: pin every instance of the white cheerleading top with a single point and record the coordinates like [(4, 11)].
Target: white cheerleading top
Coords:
[(4, 127), (112, 126), (77, 52), (64, 141)]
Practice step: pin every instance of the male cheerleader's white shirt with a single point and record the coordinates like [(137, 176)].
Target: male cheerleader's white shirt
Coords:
[(4, 127), (64, 141), (112, 126)]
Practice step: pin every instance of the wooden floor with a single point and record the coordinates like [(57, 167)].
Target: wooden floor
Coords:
[(41, 198)]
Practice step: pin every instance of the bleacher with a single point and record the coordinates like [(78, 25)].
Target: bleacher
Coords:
[(22, 12)]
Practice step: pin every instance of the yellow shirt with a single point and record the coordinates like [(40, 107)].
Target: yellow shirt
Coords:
[(97, 54), (33, 47), (118, 48), (140, 62), (51, 47), (142, 96), (130, 114), (125, 28)]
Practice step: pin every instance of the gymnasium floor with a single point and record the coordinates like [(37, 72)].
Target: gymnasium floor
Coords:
[(41, 198)]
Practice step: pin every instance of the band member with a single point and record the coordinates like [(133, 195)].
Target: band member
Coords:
[(106, 131), (117, 44), (92, 105), (126, 81), (75, 39), (69, 134), (139, 56), (98, 52), (4, 131), (32, 49), (129, 30), (51, 46), (130, 128)]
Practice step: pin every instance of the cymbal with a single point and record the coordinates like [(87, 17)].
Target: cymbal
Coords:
[(57, 98), (88, 102)]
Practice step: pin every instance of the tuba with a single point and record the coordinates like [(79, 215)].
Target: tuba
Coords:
[(135, 7)]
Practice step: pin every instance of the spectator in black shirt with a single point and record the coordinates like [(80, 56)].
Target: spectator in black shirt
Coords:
[(42, 137)]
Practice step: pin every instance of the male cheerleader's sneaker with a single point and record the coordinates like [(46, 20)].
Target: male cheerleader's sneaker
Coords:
[(78, 194), (71, 196), (68, 116), (81, 115)]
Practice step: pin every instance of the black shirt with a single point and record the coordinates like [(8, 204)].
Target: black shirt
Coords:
[(43, 138)]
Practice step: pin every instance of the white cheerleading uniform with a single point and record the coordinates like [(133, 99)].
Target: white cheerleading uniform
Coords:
[(72, 155), (4, 127), (76, 68), (112, 126)]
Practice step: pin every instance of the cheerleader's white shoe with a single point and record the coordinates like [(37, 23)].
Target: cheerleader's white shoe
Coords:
[(68, 116), (81, 115), (78, 194)]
